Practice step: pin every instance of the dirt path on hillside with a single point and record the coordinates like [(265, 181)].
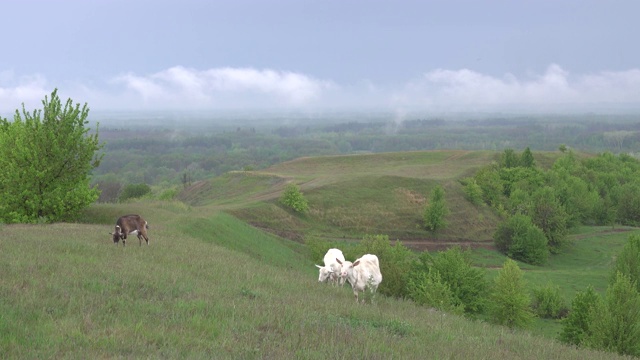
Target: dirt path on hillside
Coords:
[(603, 232), (456, 155), (437, 245), (276, 191)]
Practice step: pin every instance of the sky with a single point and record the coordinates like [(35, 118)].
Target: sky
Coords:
[(400, 55)]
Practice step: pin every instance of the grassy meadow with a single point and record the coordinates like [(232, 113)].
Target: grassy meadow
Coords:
[(213, 284)]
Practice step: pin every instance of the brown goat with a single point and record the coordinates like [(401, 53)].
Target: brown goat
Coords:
[(130, 225)]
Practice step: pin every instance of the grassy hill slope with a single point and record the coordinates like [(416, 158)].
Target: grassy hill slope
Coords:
[(210, 286), (351, 196)]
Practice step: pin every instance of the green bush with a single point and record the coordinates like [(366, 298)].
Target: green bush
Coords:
[(428, 289), (468, 284), (436, 211), (520, 239), (134, 191), (492, 188), (293, 199), (168, 194), (317, 249), (395, 262), (547, 302), (473, 191)]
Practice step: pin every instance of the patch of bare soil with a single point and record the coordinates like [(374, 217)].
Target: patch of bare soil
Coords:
[(290, 235), (438, 245)]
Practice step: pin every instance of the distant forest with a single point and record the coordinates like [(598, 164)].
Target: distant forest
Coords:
[(171, 155)]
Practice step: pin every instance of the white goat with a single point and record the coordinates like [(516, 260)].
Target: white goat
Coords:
[(332, 268), (363, 273)]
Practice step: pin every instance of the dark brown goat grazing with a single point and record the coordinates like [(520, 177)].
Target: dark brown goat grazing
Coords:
[(130, 225)]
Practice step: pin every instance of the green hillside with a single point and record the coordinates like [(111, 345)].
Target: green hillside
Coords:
[(351, 196), (209, 286), (212, 284)]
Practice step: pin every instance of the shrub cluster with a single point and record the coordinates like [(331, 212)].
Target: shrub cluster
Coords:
[(448, 282), (600, 190), (548, 303), (611, 323), (395, 262), (134, 191), (520, 239)]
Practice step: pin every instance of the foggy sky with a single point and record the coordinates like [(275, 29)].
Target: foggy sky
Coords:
[(440, 55)]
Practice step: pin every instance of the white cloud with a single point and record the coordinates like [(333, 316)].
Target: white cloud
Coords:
[(14, 91), (467, 89), (180, 86), (247, 88)]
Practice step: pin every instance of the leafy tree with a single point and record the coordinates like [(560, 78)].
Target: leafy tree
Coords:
[(489, 181), (576, 196), (576, 326), (527, 179), (550, 216), (509, 159), (628, 261), (436, 211), (520, 239), (46, 157), (519, 202), (526, 159), (293, 198), (604, 211), (615, 322), (628, 199), (568, 163), (509, 301)]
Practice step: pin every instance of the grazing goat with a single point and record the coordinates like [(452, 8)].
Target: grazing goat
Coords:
[(331, 269), (363, 273), (130, 225)]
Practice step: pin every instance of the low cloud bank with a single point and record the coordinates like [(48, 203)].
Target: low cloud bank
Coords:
[(556, 88), (185, 88)]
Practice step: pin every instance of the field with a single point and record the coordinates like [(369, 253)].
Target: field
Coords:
[(351, 196), (213, 284)]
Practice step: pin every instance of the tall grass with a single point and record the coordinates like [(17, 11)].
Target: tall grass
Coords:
[(66, 291)]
